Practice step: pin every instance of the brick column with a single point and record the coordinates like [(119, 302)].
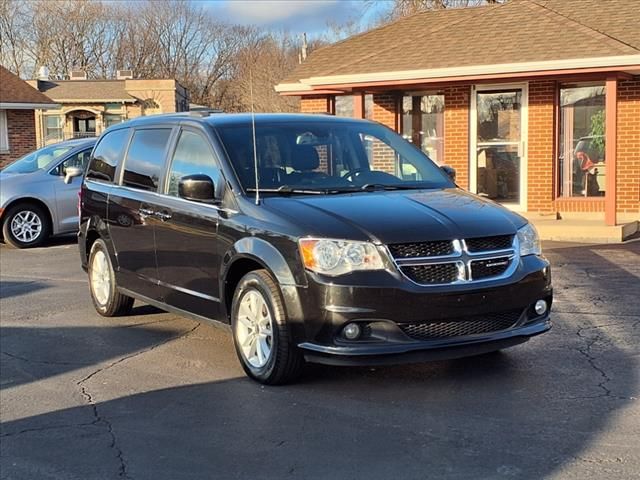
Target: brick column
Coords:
[(456, 132), (541, 146), (611, 135), (358, 105), (628, 147)]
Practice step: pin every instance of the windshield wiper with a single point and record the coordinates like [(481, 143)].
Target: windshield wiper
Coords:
[(373, 187), (286, 189)]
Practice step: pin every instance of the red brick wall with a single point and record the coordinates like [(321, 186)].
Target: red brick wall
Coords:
[(21, 126), (315, 104), (541, 146), (628, 158), (456, 131), (384, 111)]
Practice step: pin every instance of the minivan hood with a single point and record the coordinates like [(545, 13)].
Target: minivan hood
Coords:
[(397, 217)]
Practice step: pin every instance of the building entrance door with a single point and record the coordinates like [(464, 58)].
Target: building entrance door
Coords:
[(498, 144)]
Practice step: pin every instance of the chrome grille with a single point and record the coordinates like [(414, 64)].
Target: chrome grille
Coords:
[(483, 244), (432, 274), (422, 249), (462, 327), (444, 262), (489, 267)]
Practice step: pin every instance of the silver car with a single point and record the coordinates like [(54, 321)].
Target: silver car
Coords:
[(39, 194)]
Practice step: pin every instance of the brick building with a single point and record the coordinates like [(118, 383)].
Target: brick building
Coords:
[(535, 103), (88, 107), (18, 101)]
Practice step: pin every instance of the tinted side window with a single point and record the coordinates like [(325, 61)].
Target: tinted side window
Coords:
[(145, 158), (107, 155), (192, 156)]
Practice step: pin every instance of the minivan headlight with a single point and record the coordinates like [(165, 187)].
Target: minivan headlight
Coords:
[(337, 257), (529, 241)]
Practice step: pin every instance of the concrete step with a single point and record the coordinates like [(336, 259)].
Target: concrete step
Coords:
[(584, 231)]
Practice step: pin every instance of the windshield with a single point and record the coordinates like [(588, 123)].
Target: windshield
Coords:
[(328, 157), (37, 160)]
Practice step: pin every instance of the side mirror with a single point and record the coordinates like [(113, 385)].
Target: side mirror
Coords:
[(449, 171), (198, 188), (71, 172)]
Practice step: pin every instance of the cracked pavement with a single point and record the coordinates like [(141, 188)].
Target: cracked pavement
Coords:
[(157, 396)]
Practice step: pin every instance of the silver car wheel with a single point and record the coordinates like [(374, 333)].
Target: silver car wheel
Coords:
[(254, 329), (100, 278), (26, 226)]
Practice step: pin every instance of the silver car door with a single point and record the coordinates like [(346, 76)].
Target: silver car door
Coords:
[(67, 194)]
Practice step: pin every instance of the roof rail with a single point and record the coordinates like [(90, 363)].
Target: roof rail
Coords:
[(204, 112)]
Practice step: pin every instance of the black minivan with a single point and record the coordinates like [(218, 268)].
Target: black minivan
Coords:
[(316, 238)]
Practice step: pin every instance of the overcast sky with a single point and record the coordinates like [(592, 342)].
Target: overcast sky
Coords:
[(297, 16)]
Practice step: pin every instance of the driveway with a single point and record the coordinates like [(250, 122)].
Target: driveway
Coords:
[(157, 396)]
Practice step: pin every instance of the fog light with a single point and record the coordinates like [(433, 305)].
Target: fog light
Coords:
[(540, 307), (351, 331)]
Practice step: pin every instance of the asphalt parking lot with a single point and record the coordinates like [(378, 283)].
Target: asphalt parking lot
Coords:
[(157, 396)]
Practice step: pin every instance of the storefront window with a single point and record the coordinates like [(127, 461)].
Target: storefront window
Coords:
[(582, 165), (53, 128), (423, 124), (344, 106)]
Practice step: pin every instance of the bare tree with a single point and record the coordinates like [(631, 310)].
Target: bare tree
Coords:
[(263, 62), (14, 45), (402, 8), (154, 38)]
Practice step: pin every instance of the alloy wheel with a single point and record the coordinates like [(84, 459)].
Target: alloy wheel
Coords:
[(254, 330), (100, 277), (26, 226)]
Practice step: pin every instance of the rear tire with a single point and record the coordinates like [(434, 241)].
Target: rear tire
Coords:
[(26, 225), (260, 331), (107, 301)]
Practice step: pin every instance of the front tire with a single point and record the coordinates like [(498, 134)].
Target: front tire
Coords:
[(102, 284), (26, 225), (260, 331)]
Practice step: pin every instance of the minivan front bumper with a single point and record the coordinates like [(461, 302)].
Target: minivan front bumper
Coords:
[(391, 306)]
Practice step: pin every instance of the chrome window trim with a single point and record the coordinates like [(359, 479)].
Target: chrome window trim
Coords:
[(163, 196)]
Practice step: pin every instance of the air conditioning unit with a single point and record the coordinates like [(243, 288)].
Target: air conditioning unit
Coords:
[(124, 74), (78, 75)]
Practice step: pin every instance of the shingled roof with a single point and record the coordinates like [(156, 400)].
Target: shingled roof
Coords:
[(16, 93), (70, 91), (555, 32)]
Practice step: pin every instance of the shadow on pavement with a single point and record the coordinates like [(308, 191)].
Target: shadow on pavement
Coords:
[(492, 416), (15, 288), (32, 354), (67, 239)]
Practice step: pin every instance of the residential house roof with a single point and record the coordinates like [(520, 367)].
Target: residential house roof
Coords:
[(99, 91), (16, 93), (519, 35)]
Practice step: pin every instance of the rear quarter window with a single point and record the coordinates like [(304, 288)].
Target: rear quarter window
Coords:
[(106, 156)]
